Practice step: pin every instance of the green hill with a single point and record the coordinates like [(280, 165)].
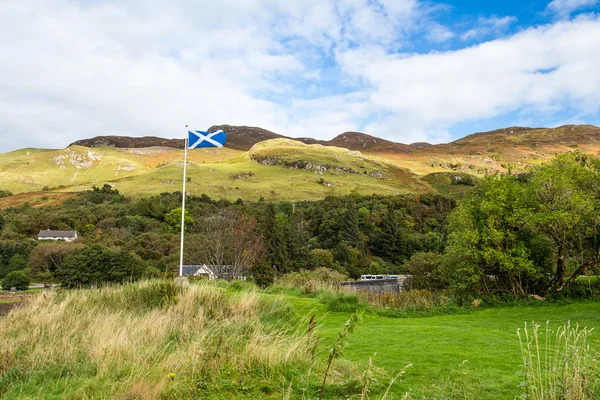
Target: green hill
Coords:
[(258, 163), (274, 169), (278, 169)]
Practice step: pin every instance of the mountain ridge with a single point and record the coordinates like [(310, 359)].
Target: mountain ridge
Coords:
[(241, 137)]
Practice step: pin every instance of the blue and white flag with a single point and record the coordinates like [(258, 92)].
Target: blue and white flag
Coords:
[(206, 139)]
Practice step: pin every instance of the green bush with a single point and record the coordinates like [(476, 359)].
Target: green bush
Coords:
[(96, 265), (17, 279), (262, 275), (426, 272)]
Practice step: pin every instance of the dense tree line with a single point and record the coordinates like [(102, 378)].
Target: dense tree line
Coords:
[(352, 234), (532, 233)]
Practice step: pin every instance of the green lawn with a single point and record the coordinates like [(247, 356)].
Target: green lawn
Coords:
[(9, 301), (437, 346)]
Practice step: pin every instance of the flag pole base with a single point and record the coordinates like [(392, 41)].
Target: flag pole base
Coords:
[(182, 281)]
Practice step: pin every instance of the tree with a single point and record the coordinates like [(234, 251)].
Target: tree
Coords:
[(17, 279), (96, 265), (15, 263), (426, 272), (564, 198), (227, 237), (48, 257), (391, 243), (273, 238), (520, 234), (487, 248), (173, 220), (350, 230), (321, 258)]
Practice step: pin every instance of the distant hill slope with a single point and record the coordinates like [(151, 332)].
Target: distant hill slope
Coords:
[(257, 162), (129, 142), (244, 137), (532, 137), (274, 169)]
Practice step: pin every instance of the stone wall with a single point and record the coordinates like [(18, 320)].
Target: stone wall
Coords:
[(377, 286)]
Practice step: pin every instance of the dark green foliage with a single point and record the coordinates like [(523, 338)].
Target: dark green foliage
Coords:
[(273, 238), (391, 242), (426, 272), (263, 275), (463, 179), (17, 279), (351, 229), (350, 232), (13, 255), (105, 193), (96, 265), (523, 236), (5, 193)]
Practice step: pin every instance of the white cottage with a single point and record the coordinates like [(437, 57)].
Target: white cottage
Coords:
[(67, 236)]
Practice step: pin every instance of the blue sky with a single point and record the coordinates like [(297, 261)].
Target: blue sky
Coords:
[(405, 70)]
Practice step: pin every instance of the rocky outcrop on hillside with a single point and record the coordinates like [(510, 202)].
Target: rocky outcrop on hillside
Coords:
[(308, 165)]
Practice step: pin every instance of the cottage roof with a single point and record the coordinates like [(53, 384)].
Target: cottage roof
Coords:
[(204, 268), (60, 234)]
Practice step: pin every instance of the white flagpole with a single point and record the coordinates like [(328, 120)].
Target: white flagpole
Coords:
[(185, 146)]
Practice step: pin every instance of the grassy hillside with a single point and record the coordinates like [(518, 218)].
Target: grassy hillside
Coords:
[(287, 169), (275, 169), (279, 170), (30, 170)]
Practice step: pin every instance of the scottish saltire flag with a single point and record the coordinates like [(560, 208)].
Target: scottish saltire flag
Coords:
[(206, 139)]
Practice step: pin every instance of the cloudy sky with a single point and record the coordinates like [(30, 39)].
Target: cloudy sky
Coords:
[(406, 70)]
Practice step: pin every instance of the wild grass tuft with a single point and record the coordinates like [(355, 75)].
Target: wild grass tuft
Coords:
[(148, 340), (559, 364)]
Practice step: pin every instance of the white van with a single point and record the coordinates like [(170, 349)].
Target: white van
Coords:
[(371, 277)]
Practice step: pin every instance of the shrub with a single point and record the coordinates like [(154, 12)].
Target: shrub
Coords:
[(96, 265), (321, 258), (263, 275), (17, 279), (426, 272)]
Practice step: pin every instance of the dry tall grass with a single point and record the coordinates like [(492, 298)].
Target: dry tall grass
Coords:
[(559, 364), (143, 340)]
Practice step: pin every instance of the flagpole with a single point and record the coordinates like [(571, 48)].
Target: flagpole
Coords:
[(185, 146)]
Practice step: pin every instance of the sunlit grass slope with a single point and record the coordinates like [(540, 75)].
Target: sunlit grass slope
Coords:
[(277, 169), (31, 170)]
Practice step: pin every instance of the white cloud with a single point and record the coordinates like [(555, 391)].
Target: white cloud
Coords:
[(72, 69), (549, 66), (488, 26), (566, 7), (438, 33)]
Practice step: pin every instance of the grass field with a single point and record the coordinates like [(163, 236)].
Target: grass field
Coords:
[(125, 342), (473, 355)]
